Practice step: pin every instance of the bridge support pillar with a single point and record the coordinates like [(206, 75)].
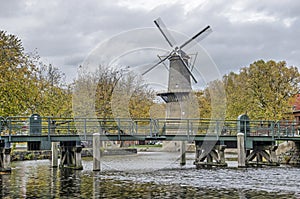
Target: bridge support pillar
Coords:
[(183, 153), (71, 155), (96, 152), (241, 150), (209, 156), (54, 148), (5, 157), (259, 156)]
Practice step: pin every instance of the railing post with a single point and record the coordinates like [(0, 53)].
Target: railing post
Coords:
[(68, 127), (84, 128), (293, 129), (10, 129), (272, 130), (49, 123), (188, 129), (278, 129), (136, 127), (217, 128), (119, 128), (151, 132), (131, 127)]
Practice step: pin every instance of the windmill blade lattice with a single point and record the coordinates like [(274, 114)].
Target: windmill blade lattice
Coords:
[(177, 50), (164, 31)]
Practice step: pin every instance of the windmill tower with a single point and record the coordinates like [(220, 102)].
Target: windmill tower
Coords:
[(177, 97)]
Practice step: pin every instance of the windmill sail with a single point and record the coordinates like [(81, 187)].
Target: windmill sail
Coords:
[(177, 50)]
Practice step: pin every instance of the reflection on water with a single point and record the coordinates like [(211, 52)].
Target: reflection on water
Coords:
[(36, 179)]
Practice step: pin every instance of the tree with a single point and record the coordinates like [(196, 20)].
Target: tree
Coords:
[(108, 93), (53, 97), (27, 85), (236, 95), (15, 70), (263, 90)]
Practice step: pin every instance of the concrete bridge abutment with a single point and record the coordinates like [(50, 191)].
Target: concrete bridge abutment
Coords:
[(289, 152)]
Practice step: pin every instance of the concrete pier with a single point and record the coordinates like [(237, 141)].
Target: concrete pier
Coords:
[(54, 149), (6, 159), (96, 152), (241, 150)]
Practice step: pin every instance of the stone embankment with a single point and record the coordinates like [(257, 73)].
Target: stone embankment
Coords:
[(289, 153), (20, 155)]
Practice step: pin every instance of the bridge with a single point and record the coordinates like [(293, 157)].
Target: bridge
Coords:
[(259, 138)]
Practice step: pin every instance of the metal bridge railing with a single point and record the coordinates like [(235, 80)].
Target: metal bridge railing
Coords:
[(287, 129), (19, 125)]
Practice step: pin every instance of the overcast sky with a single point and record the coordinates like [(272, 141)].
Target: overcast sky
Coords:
[(65, 32)]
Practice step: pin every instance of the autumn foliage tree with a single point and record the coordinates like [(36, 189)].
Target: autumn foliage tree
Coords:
[(263, 90), (25, 87), (108, 93)]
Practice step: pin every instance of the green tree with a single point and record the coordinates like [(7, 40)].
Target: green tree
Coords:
[(27, 85), (52, 96), (15, 72), (263, 90), (108, 93)]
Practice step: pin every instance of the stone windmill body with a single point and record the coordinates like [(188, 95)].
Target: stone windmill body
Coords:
[(177, 97)]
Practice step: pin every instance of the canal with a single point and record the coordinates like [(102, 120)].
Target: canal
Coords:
[(148, 175)]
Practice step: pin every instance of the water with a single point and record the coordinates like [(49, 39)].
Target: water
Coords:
[(148, 175)]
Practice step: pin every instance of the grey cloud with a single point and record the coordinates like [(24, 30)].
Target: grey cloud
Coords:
[(66, 31)]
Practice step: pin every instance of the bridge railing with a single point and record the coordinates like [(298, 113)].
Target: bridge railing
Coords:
[(2, 124), (20, 125), (286, 128), (195, 126), (276, 129), (16, 125), (262, 128)]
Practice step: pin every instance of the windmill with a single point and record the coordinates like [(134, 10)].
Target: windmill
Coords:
[(180, 72)]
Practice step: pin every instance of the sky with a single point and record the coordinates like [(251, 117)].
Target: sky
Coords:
[(67, 33)]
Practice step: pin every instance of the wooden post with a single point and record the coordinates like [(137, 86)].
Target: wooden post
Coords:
[(5, 156), (183, 153), (209, 160), (54, 154), (197, 152), (259, 158), (78, 162), (241, 150), (96, 152), (6, 159), (221, 151)]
